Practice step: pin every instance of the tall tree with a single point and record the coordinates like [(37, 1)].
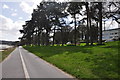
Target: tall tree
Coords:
[(74, 8)]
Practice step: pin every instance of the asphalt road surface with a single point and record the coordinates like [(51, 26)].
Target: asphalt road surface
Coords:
[(23, 64)]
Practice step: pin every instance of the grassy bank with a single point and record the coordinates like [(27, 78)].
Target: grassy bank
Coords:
[(5, 53), (82, 61)]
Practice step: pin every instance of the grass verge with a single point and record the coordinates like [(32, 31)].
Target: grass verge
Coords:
[(5, 53), (83, 61)]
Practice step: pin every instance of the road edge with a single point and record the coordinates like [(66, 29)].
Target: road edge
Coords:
[(71, 76)]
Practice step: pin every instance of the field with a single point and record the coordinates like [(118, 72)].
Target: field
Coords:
[(99, 61), (5, 53)]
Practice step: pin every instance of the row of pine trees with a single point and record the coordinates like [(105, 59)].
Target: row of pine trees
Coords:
[(50, 23)]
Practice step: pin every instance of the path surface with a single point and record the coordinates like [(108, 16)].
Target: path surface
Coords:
[(21, 63)]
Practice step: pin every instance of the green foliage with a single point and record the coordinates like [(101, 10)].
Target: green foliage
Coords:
[(82, 61)]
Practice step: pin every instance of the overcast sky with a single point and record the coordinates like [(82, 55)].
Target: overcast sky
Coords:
[(13, 15)]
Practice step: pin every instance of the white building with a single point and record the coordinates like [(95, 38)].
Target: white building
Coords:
[(111, 34)]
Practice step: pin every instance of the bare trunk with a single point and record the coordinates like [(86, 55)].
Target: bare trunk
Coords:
[(100, 22), (97, 30), (87, 35), (75, 30), (53, 36), (62, 37), (91, 36), (47, 38)]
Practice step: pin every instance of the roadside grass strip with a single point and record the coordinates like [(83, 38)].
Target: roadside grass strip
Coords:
[(99, 61), (5, 53)]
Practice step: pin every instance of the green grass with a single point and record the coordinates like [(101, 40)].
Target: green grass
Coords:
[(5, 53), (82, 61)]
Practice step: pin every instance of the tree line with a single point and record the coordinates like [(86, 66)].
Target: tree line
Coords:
[(68, 22)]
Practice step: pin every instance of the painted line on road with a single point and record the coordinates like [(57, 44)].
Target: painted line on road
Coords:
[(24, 67)]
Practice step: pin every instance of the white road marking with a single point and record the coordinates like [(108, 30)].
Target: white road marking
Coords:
[(24, 66)]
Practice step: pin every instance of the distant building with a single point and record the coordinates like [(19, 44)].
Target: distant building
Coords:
[(111, 34)]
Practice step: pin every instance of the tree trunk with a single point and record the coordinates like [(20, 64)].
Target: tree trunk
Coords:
[(75, 29), (47, 38), (39, 38), (87, 35), (97, 30), (53, 36), (100, 22), (82, 34), (62, 37), (91, 31)]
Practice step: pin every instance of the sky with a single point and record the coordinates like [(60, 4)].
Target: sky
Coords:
[(14, 13)]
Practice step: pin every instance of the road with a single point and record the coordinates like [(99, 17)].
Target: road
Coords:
[(23, 64)]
